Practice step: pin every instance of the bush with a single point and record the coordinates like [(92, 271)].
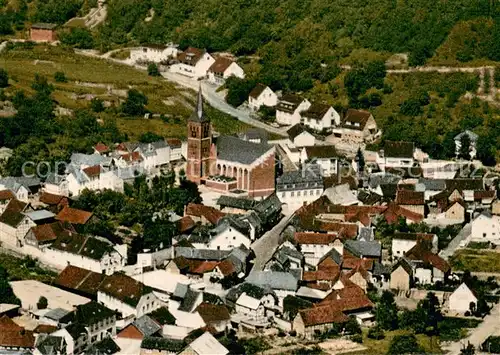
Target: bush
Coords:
[(4, 78), (60, 77), (78, 38), (153, 70), (42, 303), (357, 338), (96, 105), (376, 333)]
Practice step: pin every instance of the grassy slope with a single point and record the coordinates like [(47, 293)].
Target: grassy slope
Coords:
[(23, 64), (475, 260), (22, 269)]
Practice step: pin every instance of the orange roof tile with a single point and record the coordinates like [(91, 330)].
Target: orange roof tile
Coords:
[(73, 215)]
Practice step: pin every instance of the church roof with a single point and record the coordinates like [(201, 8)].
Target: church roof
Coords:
[(238, 150), (198, 115)]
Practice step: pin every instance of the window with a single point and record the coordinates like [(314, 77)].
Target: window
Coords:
[(484, 235), (318, 192), (311, 192), (298, 193), (283, 194), (193, 132), (292, 194)]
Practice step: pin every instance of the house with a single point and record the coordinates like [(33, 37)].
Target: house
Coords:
[(356, 127), (94, 178), (75, 216), (193, 62), (153, 53), (316, 245), (300, 137), (50, 345), (320, 117), (299, 188), (397, 155), (309, 322), (411, 200), (341, 195), (95, 254), (56, 184), (461, 299), (485, 228), (175, 149), (79, 281), (203, 214), (222, 69), (363, 250), (44, 235), (5, 197), (289, 108), (88, 325), (154, 154), (401, 275), (161, 346), (403, 242), (127, 296), (43, 32), (285, 258), (473, 143), (325, 156), (227, 235), (254, 135), (53, 202), (14, 338), (227, 163), (235, 205), (214, 316), (102, 149), (14, 223), (282, 283), (250, 307), (18, 187), (262, 95), (205, 345), (139, 329)]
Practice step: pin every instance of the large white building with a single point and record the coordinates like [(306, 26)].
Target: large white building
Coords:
[(486, 228), (193, 62), (153, 53), (298, 188)]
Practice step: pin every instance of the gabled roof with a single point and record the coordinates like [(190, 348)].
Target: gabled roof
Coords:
[(406, 197), (347, 299), (319, 315), (275, 280), (174, 142), (315, 238), (74, 216), (48, 345), (201, 254), (316, 111), (414, 236), (236, 202), (399, 149), (220, 65), (92, 171), (106, 346), (208, 345), (355, 119), (363, 249), (289, 103), (146, 325), (465, 184), (211, 313), (90, 313), (6, 195), (51, 199), (84, 246), (44, 26), (211, 214), (12, 215), (14, 336), (321, 152), (421, 252), (296, 130), (49, 232), (123, 288), (79, 279), (101, 148), (250, 289), (191, 55), (233, 149), (189, 301), (257, 90)]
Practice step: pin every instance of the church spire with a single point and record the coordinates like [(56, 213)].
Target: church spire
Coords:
[(198, 115)]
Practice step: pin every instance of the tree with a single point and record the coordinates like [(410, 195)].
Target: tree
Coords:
[(4, 78), (60, 77), (376, 333), (96, 105), (468, 350), (150, 137), (386, 312), (465, 147), (429, 311), (78, 38), (352, 326), (42, 303), (485, 147), (153, 69), (6, 292), (134, 104), (238, 90), (360, 158), (411, 107), (404, 344), (482, 307)]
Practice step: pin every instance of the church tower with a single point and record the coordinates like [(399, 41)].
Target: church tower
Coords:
[(199, 144)]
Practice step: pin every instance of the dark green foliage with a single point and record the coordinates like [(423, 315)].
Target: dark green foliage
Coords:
[(292, 305), (134, 104), (96, 105), (411, 107), (424, 319), (153, 70), (238, 90), (267, 114), (60, 77), (150, 137), (4, 78), (376, 333), (404, 344), (386, 312), (468, 350), (254, 345), (453, 329), (77, 37), (359, 80), (163, 316), (6, 293), (491, 345), (352, 326), (465, 147), (357, 338), (54, 11), (42, 303)]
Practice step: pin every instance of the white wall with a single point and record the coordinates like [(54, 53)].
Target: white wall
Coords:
[(266, 98), (486, 228), (305, 139), (296, 199), (156, 55), (285, 118), (229, 239), (401, 246), (424, 276)]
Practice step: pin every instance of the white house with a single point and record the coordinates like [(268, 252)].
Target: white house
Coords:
[(153, 53), (289, 108), (473, 143), (316, 245), (123, 294), (460, 300), (193, 62), (320, 117), (250, 307), (325, 156), (56, 184), (15, 223), (223, 237), (299, 188), (92, 178), (282, 283), (403, 242), (396, 155), (222, 69), (486, 228), (19, 190), (300, 137), (84, 252), (154, 154), (175, 149), (262, 95)]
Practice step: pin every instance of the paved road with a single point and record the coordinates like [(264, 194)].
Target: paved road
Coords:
[(265, 246), (489, 326), (218, 102), (455, 243)]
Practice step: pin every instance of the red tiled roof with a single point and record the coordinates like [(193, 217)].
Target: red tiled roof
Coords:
[(315, 238), (51, 199), (123, 288), (360, 217), (220, 65), (393, 212), (101, 148), (130, 332), (44, 329), (6, 195), (479, 195), (212, 313), (321, 275), (344, 230), (73, 215), (174, 142), (194, 266), (421, 252), (352, 262), (92, 171), (185, 224), (75, 278), (407, 197), (14, 336), (210, 213), (257, 90), (226, 267), (132, 157), (191, 55), (322, 315), (49, 231)]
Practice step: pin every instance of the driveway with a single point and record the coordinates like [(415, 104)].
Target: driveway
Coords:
[(455, 243)]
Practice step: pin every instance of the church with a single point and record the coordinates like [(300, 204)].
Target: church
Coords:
[(227, 163)]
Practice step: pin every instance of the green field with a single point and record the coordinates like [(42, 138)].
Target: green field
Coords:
[(475, 260), (25, 269)]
